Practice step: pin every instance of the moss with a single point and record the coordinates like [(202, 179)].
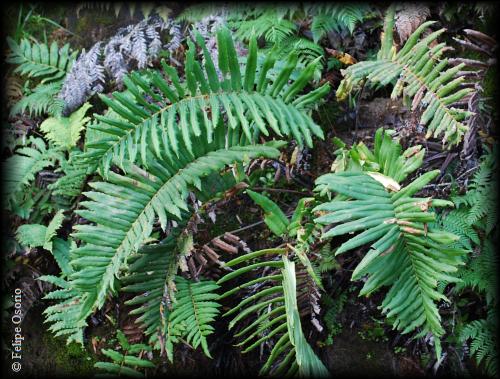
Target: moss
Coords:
[(69, 360)]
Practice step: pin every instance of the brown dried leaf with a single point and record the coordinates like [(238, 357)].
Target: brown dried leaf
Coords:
[(409, 18)]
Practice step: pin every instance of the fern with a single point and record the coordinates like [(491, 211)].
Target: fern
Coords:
[(121, 362), (65, 131), (40, 101), (135, 200), (195, 308), (406, 253), (49, 64), (484, 344), (21, 168), (421, 76), (277, 316), (482, 195), (75, 174), (250, 104), (335, 17)]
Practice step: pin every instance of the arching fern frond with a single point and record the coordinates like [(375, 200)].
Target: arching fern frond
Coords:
[(277, 315), (135, 201), (421, 75), (158, 114)]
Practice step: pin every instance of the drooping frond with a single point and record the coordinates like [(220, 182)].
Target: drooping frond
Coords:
[(421, 75), (277, 315), (158, 114), (64, 316), (195, 308), (135, 201), (405, 253)]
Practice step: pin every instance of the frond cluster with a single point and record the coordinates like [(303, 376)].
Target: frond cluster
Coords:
[(405, 254), (420, 74)]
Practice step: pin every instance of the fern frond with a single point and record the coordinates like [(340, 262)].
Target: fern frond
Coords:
[(250, 102), (277, 316), (483, 344), (121, 362), (135, 201), (65, 131), (405, 254), (41, 100), (75, 173), (419, 74), (38, 60), (195, 308), (21, 168)]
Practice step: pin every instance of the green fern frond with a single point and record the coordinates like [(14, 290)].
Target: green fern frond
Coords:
[(41, 100), (483, 346), (21, 168), (405, 254), (125, 364), (195, 308), (421, 75), (75, 174), (337, 17), (38, 60), (64, 315), (183, 110), (135, 201), (65, 131), (277, 316), (481, 273)]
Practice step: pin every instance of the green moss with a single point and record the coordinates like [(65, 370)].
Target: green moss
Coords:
[(72, 359)]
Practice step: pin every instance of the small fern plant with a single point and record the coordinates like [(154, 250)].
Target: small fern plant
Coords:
[(405, 254), (126, 363), (421, 75), (48, 65)]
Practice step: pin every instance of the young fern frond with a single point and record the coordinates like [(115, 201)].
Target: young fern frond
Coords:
[(125, 364), (158, 114), (277, 315), (421, 75)]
